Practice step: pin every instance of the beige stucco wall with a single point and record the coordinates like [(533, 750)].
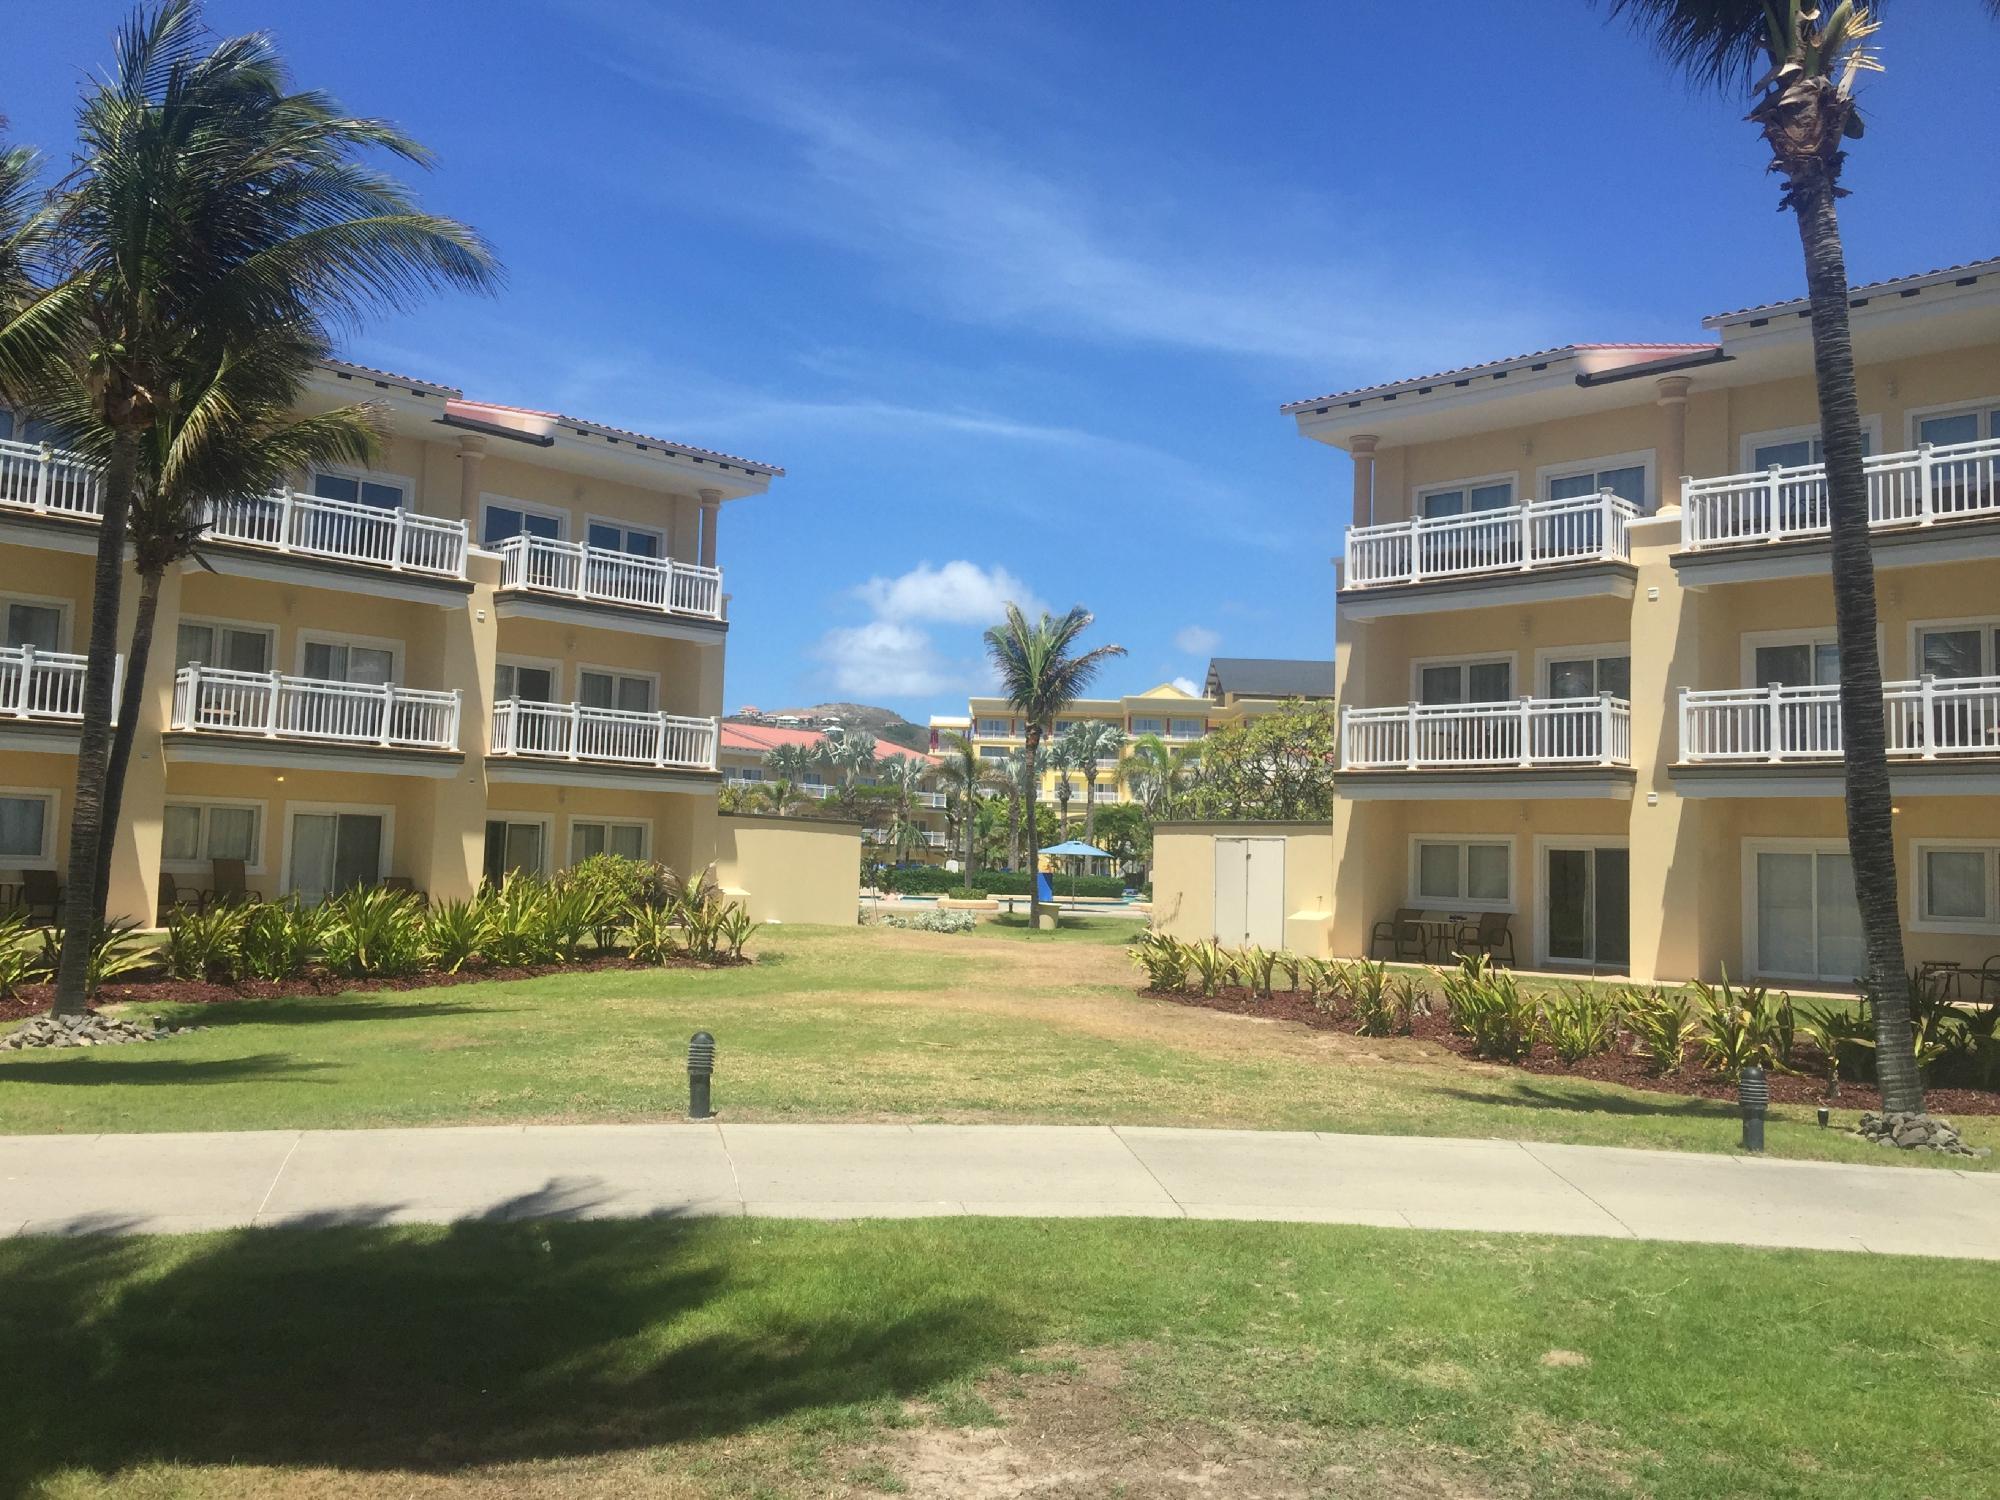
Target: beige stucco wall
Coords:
[(1184, 880), (791, 869)]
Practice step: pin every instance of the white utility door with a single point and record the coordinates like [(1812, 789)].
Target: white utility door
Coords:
[(1250, 892)]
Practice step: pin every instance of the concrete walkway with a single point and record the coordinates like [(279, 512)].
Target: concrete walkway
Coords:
[(170, 1183)]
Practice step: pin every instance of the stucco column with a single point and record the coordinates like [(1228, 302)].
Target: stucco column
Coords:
[(471, 458), (1362, 447), (711, 512), (1673, 400)]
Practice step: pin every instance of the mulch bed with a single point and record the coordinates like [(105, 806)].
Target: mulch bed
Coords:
[(33, 999), (1805, 1087)]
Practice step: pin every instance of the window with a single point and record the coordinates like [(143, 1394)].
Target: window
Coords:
[(340, 661), (1187, 729), (23, 429), (512, 847), (1804, 663), (611, 536), (233, 647), (1590, 676), (1808, 925), (361, 489), (1465, 682), (1624, 479), (614, 690), (37, 625), (996, 726), (1146, 724), (1968, 426), (1969, 650), (627, 840), (1465, 870), (531, 684), (500, 521), (1797, 452), (26, 820), (994, 752), (194, 833), (336, 851), (1458, 499)]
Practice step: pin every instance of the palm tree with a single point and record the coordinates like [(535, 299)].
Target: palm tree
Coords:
[(1013, 772), (24, 228), (791, 764), (1062, 761), (1159, 773), (781, 796), (1041, 677), (208, 206), (965, 773), (1092, 741), (853, 758), (1802, 59), (903, 776)]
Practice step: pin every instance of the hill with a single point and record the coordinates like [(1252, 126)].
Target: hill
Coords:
[(884, 723)]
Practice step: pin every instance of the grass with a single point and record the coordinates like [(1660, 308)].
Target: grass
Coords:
[(763, 1358), (840, 1024)]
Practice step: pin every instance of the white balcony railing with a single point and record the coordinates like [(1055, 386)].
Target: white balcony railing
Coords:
[(272, 705), (1927, 719), (311, 525), (48, 685), (1525, 732), (546, 566), (1516, 539), (935, 800), (570, 731), (935, 840), (816, 789), (1918, 488), (49, 481)]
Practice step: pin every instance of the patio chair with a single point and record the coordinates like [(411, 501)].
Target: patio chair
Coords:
[(1491, 936), (1404, 937), (40, 890), (177, 897), (230, 885), (1987, 977)]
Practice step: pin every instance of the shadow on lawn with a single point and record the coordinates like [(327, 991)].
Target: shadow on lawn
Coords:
[(87, 1068), (365, 1347), (1598, 1102), (306, 1011)]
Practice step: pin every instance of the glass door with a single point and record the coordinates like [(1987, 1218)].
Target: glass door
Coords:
[(1808, 923), (342, 715), (1588, 896), (1812, 725), (334, 852), (512, 847)]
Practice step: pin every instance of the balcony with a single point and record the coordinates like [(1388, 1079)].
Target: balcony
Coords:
[(1738, 525), (274, 706), (46, 686), (48, 481), (602, 736), (1518, 539), (1933, 718), (597, 575), (934, 800), (1527, 748)]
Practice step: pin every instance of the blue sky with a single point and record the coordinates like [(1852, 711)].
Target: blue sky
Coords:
[(1014, 290)]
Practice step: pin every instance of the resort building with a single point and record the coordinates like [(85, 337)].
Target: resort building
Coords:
[(1586, 662), (745, 755), (499, 649)]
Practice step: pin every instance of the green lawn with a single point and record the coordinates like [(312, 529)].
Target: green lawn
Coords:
[(838, 1024), (738, 1359)]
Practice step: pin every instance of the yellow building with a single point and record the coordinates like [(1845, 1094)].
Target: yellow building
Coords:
[(1584, 691), (501, 648)]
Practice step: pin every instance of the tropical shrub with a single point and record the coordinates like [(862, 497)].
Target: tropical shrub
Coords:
[(572, 911), (281, 939), (120, 949), (917, 921), (518, 930), (453, 931), (737, 929), (1743, 1026), (1578, 1021), (1489, 1006), (374, 933), (1211, 965), (1165, 960), (20, 960), (699, 907), (207, 945), (1367, 985), (1258, 967), (655, 937), (624, 885), (1660, 1023)]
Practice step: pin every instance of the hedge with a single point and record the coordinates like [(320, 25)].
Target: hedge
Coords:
[(931, 880)]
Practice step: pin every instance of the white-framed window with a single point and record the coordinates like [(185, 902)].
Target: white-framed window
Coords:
[(1586, 671), (994, 752), (1957, 886), (235, 646), (359, 659), (745, 773), (361, 487), (27, 827), (1800, 912), (617, 536), (1791, 658), (1463, 871), (195, 834), (1966, 422), (334, 847), (1463, 496), (996, 726), (519, 677), (1148, 724), (1956, 648), (19, 429), (1627, 475), (515, 842), (591, 836), (1795, 447), (1478, 679), (31, 621), (600, 687), (500, 519), (1187, 729)]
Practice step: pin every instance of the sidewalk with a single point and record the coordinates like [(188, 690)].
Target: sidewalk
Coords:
[(175, 1183)]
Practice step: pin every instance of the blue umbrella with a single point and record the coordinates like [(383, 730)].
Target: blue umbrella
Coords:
[(1075, 849)]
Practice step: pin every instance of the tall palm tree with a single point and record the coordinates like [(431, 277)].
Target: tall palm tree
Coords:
[(903, 776), (24, 230), (208, 205), (1062, 761), (1092, 742), (791, 763), (1801, 60), (854, 758), (1042, 674), (1159, 774), (1013, 773), (965, 773)]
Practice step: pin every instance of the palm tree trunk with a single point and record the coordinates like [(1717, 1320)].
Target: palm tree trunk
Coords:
[(80, 911), (1028, 791), (1871, 840), (130, 703), (1090, 806)]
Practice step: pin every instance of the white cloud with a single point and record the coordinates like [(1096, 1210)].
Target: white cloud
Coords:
[(959, 593), (1187, 685), (1197, 640), (883, 659)]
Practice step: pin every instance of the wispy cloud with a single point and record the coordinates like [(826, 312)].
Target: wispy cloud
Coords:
[(896, 653), (1197, 640)]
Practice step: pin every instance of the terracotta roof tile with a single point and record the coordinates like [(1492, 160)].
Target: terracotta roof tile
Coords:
[(1865, 288)]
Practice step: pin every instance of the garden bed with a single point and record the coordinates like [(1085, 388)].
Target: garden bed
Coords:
[(1804, 1085)]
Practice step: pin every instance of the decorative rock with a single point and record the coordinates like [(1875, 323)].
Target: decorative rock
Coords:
[(1913, 1132), (91, 1029)]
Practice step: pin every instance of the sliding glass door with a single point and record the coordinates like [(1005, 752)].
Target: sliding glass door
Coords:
[(334, 852), (1587, 895), (1808, 924)]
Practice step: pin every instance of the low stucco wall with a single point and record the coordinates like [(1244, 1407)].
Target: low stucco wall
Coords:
[(1184, 880), (790, 869)]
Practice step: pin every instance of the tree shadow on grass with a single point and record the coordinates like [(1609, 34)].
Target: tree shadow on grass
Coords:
[(1598, 1102), (367, 1347), (309, 1012), (85, 1068)]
